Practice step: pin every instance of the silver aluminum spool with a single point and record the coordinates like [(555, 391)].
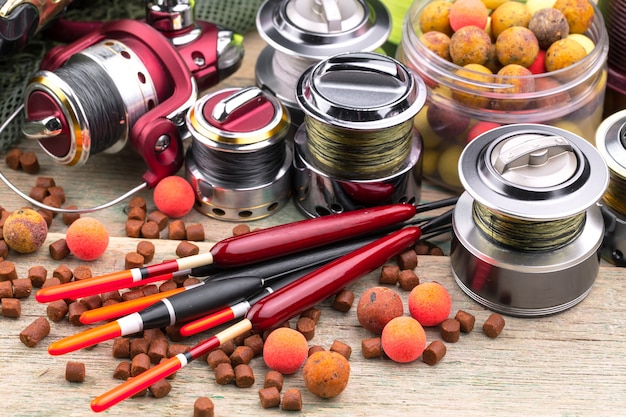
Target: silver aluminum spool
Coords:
[(611, 143), (239, 163), (338, 94), (533, 174), (300, 33)]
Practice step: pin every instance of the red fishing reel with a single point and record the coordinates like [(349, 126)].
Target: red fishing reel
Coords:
[(128, 81)]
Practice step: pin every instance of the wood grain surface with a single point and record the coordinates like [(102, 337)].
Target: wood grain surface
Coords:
[(570, 364)]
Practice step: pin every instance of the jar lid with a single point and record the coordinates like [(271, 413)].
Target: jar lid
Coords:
[(533, 171), (321, 28), (360, 90), (238, 116), (611, 142)]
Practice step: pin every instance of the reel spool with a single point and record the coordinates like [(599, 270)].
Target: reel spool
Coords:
[(300, 33), (239, 163), (357, 146), (611, 143), (527, 230)]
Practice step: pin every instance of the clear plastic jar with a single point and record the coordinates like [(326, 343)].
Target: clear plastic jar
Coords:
[(571, 98)]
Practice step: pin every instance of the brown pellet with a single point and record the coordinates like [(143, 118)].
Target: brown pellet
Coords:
[(44, 182), (306, 326), (217, 356), (132, 294), (493, 325), (7, 271), (228, 347), (149, 289), (38, 193), (4, 248), (408, 279), (238, 340), (157, 350), (191, 281), (63, 273), (292, 400), (150, 230), (133, 228), (407, 259), (92, 301), (137, 201), (29, 162), (173, 332), (59, 249), (75, 310), (269, 397), (436, 251), (421, 248), (160, 388), (315, 348), (434, 352), (12, 158), (47, 215), (255, 342), (186, 248), (343, 301), (195, 232), (37, 275), (51, 282), (57, 310), (69, 218), (342, 348), (159, 218), (176, 230), (121, 348), (153, 334), (58, 193), (242, 354), (52, 201), (241, 229), (371, 348), (111, 295), (122, 371), (35, 331), (11, 307), (203, 407), (138, 346), (389, 274), (146, 249), (224, 373), (22, 287), (75, 371), (168, 285), (176, 348), (244, 375), (82, 272), (136, 213), (313, 313), (466, 320), (450, 330), (133, 260), (139, 363), (273, 379), (6, 289)]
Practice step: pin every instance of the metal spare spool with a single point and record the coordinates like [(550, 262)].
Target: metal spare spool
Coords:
[(527, 230)]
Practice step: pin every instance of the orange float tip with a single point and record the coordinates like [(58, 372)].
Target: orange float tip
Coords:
[(85, 339)]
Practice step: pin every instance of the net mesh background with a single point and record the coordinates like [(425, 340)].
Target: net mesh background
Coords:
[(15, 71)]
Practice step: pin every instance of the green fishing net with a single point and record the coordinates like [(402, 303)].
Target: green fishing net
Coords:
[(15, 71)]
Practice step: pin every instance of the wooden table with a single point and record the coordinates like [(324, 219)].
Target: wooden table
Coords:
[(570, 364)]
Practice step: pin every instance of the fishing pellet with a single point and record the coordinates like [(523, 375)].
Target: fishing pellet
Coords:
[(195, 232), (238, 340), (75, 371), (159, 218), (244, 375), (57, 192), (168, 285), (160, 388), (7, 271), (63, 273), (59, 249), (11, 307), (450, 330), (149, 230), (132, 294), (52, 201), (149, 289), (82, 272), (22, 287), (137, 201), (57, 310), (421, 248), (254, 342), (203, 407), (292, 400), (389, 274), (69, 218), (29, 162), (4, 249), (228, 347), (371, 348), (312, 313), (38, 193), (176, 348), (157, 350), (12, 158), (434, 352), (173, 332), (44, 182), (122, 371), (186, 248), (176, 230), (75, 310), (92, 301), (111, 295), (273, 379), (408, 279), (47, 216), (306, 326), (315, 348), (466, 320), (242, 355), (224, 373), (407, 259), (136, 213), (139, 363), (133, 260), (493, 325), (269, 397), (51, 282), (121, 348), (133, 228), (150, 335), (35, 331), (215, 357), (240, 229), (146, 249), (343, 301), (138, 346), (6, 289), (342, 348)]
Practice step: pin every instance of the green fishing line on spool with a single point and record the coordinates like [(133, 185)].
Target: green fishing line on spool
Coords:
[(615, 196), (527, 235)]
